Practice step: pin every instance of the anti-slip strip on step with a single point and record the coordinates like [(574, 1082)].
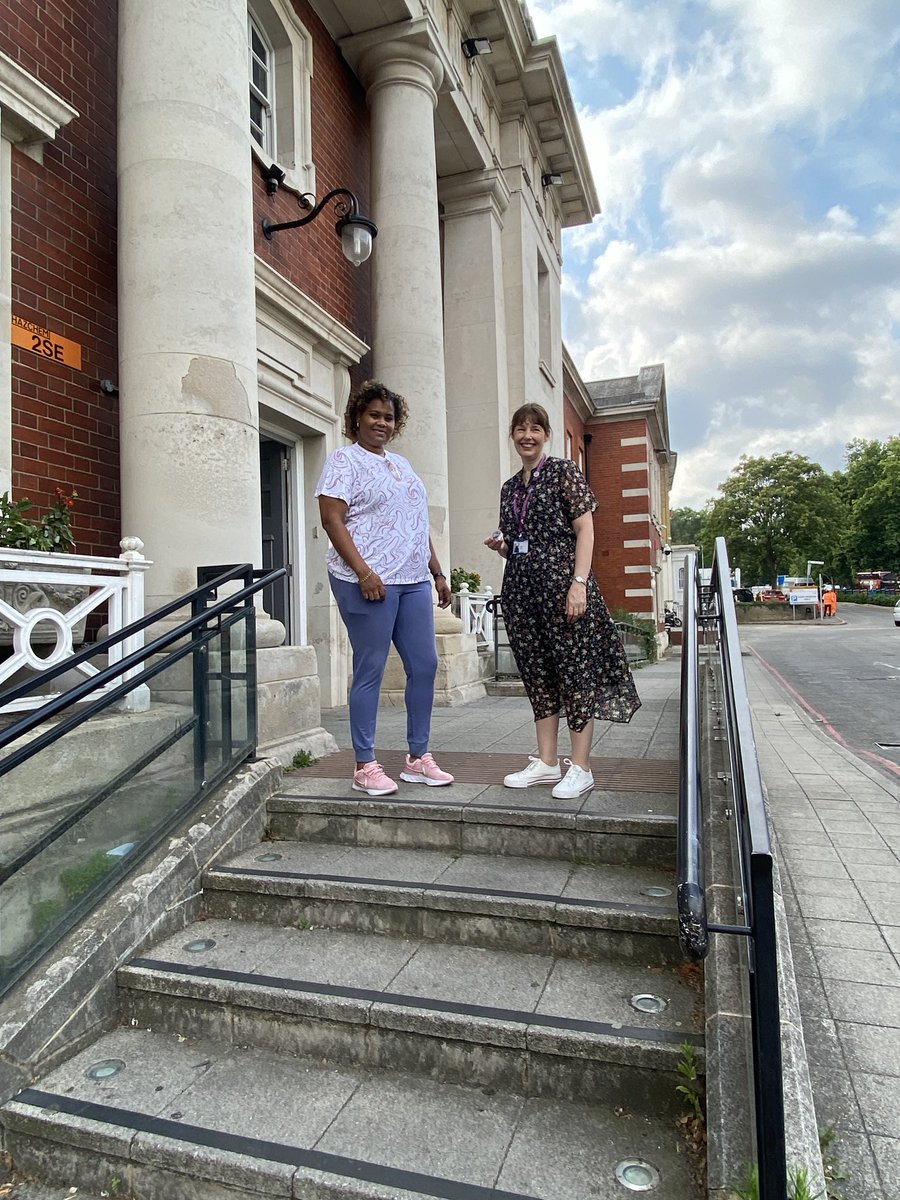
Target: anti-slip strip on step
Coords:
[(519, 1016), (648, 910), (295, 1156)]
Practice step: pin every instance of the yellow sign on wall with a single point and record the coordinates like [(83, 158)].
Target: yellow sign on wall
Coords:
[(44, 343)]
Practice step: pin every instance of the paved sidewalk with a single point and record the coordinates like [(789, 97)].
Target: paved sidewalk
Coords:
[(837, 829)]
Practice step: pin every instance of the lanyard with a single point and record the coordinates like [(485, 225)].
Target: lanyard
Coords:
[(522, 495)]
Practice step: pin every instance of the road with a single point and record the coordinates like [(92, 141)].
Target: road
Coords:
[(846, 673)]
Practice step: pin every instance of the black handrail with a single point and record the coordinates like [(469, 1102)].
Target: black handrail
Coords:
[(223, 746), (32, 719), (757, 869), (227, 575), (693, 927), (754, 852)]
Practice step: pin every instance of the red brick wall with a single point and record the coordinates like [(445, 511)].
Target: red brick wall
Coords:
[(65, 432), (573, 427), (608, 481), (311, 257)]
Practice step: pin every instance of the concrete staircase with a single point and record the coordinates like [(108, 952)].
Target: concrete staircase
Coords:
[(446, 993)]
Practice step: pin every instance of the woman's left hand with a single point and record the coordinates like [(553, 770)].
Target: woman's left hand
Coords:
[(576, 602), (443, 591)]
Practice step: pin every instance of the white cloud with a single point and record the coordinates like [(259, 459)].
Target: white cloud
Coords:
[(767, 282)]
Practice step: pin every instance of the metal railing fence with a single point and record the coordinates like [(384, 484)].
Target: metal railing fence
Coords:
[(84, 802)]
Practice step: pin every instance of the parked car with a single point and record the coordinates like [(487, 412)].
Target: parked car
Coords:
[(742, 595), (897, 613)]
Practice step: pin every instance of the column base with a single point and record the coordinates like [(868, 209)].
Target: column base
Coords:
[(459, 673), (290, 712)]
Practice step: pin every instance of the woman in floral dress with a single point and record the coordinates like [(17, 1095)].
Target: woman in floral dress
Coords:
[(568, 650)]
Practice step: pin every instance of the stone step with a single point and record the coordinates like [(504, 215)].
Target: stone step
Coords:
[(539, 906), (518, 1022), (621, 827), (173, 1118)]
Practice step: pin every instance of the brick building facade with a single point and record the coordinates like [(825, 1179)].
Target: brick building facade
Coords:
[(184, 373)]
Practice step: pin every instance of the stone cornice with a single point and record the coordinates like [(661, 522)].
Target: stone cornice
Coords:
[(474, 191), (277, 293), (31, 113)]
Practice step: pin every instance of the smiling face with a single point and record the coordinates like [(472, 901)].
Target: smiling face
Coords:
[(376, 426), (530, 439)]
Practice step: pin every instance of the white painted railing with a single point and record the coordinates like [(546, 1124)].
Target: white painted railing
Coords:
[(45, 599), (475, 615)]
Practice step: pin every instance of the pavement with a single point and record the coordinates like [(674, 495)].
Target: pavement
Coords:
[(836, 822), (836, 827)]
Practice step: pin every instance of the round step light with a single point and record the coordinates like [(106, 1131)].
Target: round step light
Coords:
[(656, 889), (637, 1175), (198, 945), (268, 858), (647, 1003), (105, 1069)]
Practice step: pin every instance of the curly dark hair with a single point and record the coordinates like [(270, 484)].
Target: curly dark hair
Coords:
[(367, 393)]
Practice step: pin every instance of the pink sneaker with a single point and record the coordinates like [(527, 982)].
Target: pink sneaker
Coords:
[(425, 770), (372, 779)]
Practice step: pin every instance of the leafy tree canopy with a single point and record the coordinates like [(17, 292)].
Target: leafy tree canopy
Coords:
[(775, 513), (871, 489), (685, 525)]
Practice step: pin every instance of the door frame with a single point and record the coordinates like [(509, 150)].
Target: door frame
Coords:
[(295, 509)]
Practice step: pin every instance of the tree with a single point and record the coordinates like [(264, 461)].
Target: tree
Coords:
[(775, 513), (870, 488), (685, 525)]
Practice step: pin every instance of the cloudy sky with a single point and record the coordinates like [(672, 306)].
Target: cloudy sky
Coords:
[(746, 156)]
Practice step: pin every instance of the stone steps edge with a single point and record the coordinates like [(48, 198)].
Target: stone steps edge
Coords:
[(544, 1033), (105, 1134)]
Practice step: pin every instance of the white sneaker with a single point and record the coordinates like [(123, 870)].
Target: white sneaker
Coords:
[(537, 771), (577, 781)]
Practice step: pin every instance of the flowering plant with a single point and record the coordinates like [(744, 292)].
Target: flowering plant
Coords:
[(52, 533)]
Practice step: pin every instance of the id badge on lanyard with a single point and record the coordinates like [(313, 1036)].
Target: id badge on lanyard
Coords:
[(520, 511)]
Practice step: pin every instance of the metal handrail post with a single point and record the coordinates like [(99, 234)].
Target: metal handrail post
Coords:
[(693, 931), (768, 1090), (200, 677)]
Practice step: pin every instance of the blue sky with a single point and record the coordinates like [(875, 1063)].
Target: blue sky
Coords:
[(747, 158)]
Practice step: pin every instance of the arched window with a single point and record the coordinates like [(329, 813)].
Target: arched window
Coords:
[(280, 64)]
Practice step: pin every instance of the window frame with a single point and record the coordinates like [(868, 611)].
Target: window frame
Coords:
[(291, 73), (265, 99)]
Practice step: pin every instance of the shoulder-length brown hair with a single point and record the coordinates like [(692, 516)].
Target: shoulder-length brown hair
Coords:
[(531, 412)]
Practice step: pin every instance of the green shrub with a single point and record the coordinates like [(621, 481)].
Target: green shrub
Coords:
[(52, 533), (459, 576)]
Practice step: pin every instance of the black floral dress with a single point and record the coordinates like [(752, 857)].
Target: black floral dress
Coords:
[(580, 668)]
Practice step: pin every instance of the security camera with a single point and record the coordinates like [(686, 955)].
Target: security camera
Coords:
[(667, 549)]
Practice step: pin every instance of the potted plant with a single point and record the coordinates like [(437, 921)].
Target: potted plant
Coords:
[(49, 537)]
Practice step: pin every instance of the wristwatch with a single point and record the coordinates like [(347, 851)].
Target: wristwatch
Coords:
[(579, 579)]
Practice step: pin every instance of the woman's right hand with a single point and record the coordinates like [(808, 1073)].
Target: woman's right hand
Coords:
[(371, 586), (496, 542)]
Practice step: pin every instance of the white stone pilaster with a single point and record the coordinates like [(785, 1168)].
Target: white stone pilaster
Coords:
[(188, 392)]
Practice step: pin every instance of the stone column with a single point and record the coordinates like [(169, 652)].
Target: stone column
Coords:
[(475, 351), (402, 78), (187, 335)]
